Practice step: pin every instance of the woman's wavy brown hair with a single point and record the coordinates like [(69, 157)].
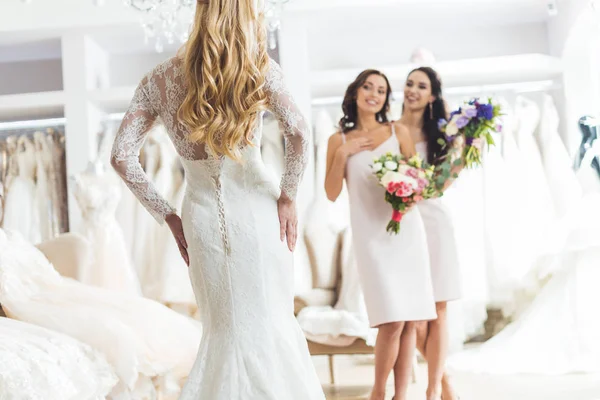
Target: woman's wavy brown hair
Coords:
[(348, 121), (225, 65)]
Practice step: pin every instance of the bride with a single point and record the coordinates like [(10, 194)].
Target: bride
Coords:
[(211, 98)]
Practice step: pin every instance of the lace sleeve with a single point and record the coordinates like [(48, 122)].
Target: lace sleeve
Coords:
[(126, 150), (295, 130)]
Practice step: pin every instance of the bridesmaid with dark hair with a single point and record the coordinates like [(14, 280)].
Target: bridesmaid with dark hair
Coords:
[(393, 269), (422, 109)]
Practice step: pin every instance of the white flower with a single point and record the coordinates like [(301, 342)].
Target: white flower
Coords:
[(391, 165), (390, 177), (451, 128), (397, 177), (377, 167), (403, 169)]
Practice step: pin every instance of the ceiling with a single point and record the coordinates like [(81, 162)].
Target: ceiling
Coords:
[(32, 30)]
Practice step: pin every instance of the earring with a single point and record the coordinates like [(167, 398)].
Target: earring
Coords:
[(430, 110)]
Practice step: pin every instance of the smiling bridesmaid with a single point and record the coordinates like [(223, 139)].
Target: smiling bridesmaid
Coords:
[(393, 269), (423, 107)]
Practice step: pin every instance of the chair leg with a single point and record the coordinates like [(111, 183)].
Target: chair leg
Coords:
[(331, 371)]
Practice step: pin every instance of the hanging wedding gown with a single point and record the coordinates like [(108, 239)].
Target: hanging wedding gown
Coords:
[(242, 275), (464, 201), (143, 220), (330, 246), (150, 347), (21, 211), (97, 196), (176, 288), (166, 277), (43, 193), (558, 333), (504, 244), (156, 236), (40, 364)]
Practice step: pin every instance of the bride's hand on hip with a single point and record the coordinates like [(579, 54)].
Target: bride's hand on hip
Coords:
[(176, 227), (288, 221)]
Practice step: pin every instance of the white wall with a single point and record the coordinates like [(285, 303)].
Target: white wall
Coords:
[(30, 76), (393, 44), (573, 36), (560, 26), (128, 69)]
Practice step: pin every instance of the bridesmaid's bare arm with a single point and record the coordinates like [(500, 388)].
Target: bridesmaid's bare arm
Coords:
[(336, 167), (407, 146)]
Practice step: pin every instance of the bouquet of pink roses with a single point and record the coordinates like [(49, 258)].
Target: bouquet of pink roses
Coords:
[(406, 182), (471, 125)]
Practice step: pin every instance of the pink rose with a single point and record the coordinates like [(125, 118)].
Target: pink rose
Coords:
[(413, 173), (393, 187), (404, 190), (418, 198)]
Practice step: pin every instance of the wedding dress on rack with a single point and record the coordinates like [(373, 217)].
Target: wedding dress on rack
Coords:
[(558, 332), (166, 277), (503, 243), (345, 321), (176, 289), (97, 195), (143, 220), (150, 347), (38, 363), (21, 211), (43, 194)]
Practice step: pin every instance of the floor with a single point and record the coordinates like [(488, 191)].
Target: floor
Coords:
[(354, 376)]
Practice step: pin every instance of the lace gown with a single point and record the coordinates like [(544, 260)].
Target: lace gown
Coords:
[(98, 196), (21, 206), (252, 347), (38, 363), (150, 347)]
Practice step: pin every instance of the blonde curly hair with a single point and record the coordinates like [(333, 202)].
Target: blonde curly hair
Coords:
[(225, 65)]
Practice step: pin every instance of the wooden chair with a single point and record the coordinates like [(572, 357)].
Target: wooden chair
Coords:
[(326, 280)]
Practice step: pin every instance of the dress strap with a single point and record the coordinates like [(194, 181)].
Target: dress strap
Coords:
[(343, 137), (393, 128)]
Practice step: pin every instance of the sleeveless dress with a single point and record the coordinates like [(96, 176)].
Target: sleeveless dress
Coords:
[(393, 269), (441, 241), (252, 347)]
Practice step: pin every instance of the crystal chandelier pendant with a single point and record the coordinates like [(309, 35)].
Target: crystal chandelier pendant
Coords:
[(273, 11)]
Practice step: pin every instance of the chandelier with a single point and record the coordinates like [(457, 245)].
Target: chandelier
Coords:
[(168, 21)]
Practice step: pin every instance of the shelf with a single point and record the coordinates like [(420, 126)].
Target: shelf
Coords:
[(471, 72), (32, 106)]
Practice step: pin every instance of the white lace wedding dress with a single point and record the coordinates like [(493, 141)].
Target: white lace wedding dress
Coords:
[(38, 363), (98, 196), (252, 347), (21, 212), (150, 347)]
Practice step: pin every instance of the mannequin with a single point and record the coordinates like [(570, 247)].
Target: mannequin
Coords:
[(589, 132)]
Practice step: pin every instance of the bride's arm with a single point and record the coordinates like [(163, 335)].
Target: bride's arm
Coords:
[(295, 130), (130, 138)]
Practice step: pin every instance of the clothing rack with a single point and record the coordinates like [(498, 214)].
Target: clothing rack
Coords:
[(50, 156)]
